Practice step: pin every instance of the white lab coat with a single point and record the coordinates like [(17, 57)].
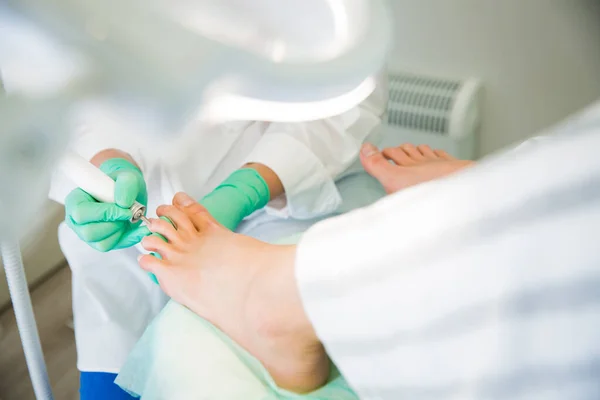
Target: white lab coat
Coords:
[(113, 300), (480, 285)]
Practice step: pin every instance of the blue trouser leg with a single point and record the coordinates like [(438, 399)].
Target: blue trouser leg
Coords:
[(100, 386)]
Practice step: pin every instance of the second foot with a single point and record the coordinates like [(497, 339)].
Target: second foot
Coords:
[(398, 168)]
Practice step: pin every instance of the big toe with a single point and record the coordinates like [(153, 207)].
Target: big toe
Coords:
[(183, 200), (197, 213), (377, 165), (187, 204)]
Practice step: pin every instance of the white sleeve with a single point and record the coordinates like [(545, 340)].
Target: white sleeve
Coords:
[(308, 157), (469, 285)]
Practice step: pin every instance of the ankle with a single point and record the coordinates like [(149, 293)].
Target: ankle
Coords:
[(303, 372)]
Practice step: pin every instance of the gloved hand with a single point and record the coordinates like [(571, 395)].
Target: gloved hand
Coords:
[(244, 192), (106, 226)]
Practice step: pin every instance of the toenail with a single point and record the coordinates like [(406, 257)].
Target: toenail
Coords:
[(183, 199), (368, 149)]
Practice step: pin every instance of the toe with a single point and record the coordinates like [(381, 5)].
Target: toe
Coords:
[(166, 228), (378, 166), (195, 212), (442, 154), (150, 263), (426, 151), (158, 244), (180, 219), (412, 152), (398, 155)]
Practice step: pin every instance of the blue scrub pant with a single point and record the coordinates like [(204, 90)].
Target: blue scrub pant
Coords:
[(100, 386)]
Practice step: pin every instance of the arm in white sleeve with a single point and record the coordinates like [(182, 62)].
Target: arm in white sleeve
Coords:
[(469, 286), (307, 157)]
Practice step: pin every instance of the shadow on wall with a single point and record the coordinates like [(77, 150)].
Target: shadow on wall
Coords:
[(539, 59)]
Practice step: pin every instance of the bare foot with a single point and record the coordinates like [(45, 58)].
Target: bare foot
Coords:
[(223, 276), (413, 165)]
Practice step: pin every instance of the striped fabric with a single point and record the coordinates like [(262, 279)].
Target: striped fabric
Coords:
[(484, 285)]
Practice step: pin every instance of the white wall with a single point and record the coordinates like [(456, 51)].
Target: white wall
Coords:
[(539, 59)]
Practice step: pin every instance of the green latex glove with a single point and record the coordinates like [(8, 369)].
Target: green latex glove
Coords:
[(244, 192), (106, 226)]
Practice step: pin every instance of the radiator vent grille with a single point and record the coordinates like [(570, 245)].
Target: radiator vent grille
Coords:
[(421, 103)]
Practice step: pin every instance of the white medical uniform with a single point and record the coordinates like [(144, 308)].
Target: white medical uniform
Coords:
[(483, 285)]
